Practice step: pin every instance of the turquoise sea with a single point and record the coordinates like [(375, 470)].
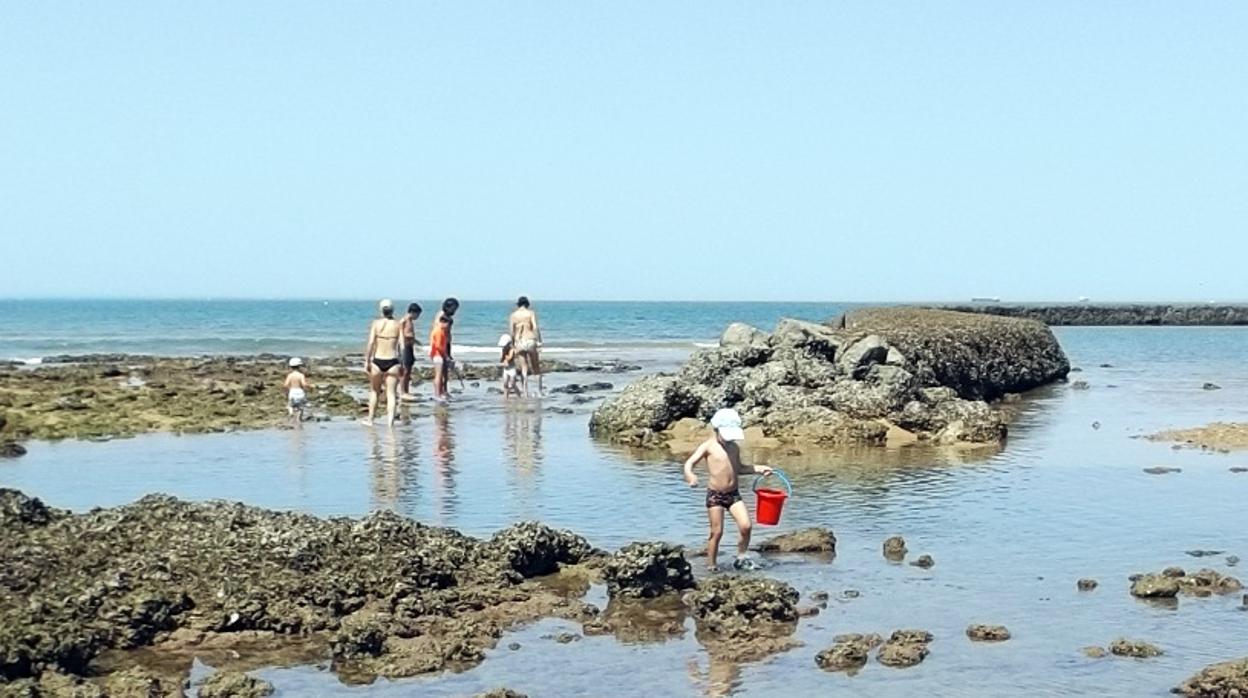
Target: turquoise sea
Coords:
[(33, 329)]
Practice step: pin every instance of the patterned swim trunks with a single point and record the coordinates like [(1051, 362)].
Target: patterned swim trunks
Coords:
[(715, 498)]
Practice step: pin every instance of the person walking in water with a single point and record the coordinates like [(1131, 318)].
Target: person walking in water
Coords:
[(382, 356), (440, 355), (527, 337), (296, 386), (448, 310), (408, 327), (723, 462)]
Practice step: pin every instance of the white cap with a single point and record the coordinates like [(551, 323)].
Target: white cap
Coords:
[(386, 304), (296, 362), (504, 341), (728, 424)]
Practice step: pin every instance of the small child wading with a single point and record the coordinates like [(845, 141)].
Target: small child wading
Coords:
[(296, 386), (723, 463)]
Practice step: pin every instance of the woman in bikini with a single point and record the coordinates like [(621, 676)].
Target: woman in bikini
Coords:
[(382, 359)]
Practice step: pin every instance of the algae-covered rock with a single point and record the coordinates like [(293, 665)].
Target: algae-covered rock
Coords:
[(847, 655), (1155, 586), (1222, 680), (1139, 649), (904, 648), (533, 549), (988, 633), (234, 684), (647, 570), (895, 548), (501, 693), (745, 618), (807, 540)]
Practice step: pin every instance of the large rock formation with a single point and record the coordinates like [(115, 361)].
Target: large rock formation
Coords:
[(927, 372)]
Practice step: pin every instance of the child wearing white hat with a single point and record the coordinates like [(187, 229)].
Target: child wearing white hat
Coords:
[(296, 386), (508, 360), (723, 462)]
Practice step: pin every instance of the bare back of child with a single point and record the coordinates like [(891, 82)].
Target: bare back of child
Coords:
[(722, 455)]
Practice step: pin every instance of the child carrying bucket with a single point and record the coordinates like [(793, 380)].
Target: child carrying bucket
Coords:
[(723, 462)]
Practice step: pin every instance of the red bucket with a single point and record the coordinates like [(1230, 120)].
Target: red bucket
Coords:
[(770, 502)]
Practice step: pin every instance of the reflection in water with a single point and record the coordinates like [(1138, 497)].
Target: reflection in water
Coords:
[(522, 432), (522, 441), (393, 461), (722, 677), (443, 465)]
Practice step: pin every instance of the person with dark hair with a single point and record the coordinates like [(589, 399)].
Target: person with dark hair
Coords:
[(381, 360), (439, 354), (528, 338), (408, 327), (449, 307)]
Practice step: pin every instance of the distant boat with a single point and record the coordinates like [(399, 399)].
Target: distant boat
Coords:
[(985, 299), (1084, 299)]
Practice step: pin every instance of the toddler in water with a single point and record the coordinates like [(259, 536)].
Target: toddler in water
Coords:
[(723, 462), (508, 360), (296, 386)]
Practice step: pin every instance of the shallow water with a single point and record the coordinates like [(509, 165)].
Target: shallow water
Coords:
[(1010, 532)]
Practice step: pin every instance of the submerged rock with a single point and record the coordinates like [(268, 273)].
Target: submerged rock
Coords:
[(234, 684), (808, 540), (1139, 649), (11, 449), (1087, 584), (988, 633), (848, 654), (905, 648), (924, 561), (1094, 652), (895, 548), (647, 570), (1222, 680)]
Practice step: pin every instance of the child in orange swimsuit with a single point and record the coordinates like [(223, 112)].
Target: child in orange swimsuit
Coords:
[(440, 354)]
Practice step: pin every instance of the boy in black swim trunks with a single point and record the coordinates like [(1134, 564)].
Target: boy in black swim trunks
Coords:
[(723, 462)]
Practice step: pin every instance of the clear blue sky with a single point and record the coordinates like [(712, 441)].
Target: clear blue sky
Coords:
[(586, 150)]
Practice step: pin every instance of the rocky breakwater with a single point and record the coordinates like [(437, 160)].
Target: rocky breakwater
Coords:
[(1119, 314), (877, 375), (382, 595)]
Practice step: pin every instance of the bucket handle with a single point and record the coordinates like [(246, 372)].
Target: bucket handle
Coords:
[(788, 487)]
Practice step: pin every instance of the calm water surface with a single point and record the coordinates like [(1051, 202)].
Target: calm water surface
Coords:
[(1010, 532)]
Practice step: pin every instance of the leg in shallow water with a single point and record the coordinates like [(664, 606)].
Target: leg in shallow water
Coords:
[(392, 397), (374, 383), (715, 516), (741, 514)]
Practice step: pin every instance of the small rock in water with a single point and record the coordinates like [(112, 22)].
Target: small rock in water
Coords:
[(234, 684), (808, 611), (988, 633), (905, 648), (1096, 425), (895, 548), (1239, 469), (1079, 385), (1094, 652), (850, 594), (809, 540), (819, 596), (924, 561), (1204, 553), (11, 449), (849, 656), (1139, 649), (1162, 470), (1107, 365), (563, 638), (514, 646), (1232, 560), (1155, 586), (1086, 584), (1211, 386)]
